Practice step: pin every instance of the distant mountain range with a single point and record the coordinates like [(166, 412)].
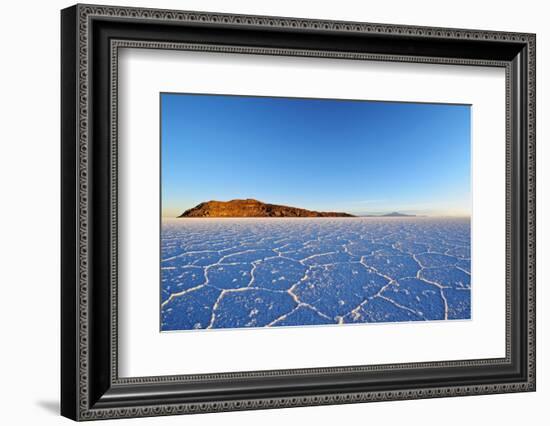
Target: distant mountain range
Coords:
[(252, 208), (392, 214)]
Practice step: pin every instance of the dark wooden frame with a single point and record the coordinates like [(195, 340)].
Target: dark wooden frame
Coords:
[(90, 386)]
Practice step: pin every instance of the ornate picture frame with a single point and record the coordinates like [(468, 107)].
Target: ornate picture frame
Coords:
[(91, 38)]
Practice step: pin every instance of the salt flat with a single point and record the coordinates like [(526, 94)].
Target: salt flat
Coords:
[(267, 272)]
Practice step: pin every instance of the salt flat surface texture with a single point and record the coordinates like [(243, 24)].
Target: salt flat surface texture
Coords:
[(267, 272)]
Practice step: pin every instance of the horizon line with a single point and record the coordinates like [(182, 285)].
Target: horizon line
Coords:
[(405, 212), (404, 216)]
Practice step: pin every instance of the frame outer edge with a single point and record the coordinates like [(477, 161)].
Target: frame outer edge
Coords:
[(69, 192), (83, 83), (531, 208)]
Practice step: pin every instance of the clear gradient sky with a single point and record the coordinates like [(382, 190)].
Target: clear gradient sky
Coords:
[(358, 157)]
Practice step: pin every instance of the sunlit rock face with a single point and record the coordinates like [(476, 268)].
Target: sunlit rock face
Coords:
[(252, 208), (234, 273)]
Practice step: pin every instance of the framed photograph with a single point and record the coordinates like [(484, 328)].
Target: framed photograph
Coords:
[(263, 212)]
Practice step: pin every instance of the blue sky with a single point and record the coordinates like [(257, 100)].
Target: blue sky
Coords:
[(358, 157)]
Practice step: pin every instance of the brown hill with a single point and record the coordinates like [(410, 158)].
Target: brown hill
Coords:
[(252, 208)]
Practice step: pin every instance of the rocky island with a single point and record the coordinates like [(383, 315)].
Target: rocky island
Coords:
[(252, 208)]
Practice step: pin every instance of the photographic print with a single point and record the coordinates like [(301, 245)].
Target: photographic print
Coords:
[(279, 211)]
